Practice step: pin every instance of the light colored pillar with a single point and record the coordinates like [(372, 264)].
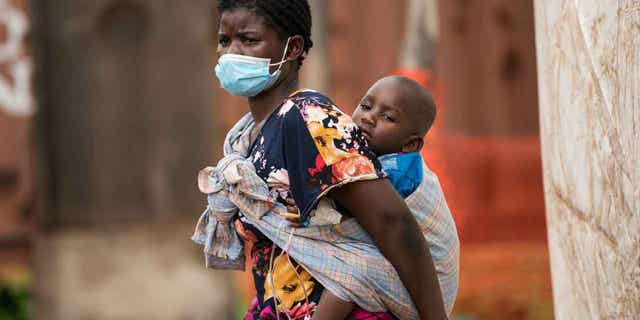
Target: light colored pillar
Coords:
[(589, 87)]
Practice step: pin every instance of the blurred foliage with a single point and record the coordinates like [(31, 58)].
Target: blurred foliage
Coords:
[(14, 302)]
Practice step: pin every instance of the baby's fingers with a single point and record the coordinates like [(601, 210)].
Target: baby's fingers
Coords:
[(291, 216), (291, 205), (294, 220), (292, 209), (290, 201)]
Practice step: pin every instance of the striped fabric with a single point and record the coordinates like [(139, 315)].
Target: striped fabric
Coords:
[(342, 257)]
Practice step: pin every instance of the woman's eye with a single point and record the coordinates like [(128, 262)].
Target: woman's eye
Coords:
[(250, 41), (223, 41), (365, 107), (388, 117)]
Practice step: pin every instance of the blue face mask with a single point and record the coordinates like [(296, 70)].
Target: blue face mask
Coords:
[(247, 76)]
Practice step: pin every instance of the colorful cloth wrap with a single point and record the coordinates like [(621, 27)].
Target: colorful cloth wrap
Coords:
[(342, 256)]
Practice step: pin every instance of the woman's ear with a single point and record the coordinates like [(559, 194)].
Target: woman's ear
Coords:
[(414, 144), (296, 48)]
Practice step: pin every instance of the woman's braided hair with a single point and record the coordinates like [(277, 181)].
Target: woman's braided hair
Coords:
[(288, 17)]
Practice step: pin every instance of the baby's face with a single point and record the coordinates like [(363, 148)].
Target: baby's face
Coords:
[(383, 119)]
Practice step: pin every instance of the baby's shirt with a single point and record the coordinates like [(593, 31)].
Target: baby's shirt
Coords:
[(404, 170)]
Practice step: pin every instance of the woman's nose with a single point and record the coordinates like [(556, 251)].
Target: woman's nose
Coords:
[(234, 47)]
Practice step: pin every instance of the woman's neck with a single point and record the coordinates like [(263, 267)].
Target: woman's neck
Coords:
[(263, 104)]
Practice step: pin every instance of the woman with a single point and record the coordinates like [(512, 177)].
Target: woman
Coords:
[(301, 138)]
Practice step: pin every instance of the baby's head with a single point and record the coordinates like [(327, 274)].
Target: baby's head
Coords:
[(394, 115)]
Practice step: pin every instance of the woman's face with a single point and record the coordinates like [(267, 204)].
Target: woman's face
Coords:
[(243, 32)]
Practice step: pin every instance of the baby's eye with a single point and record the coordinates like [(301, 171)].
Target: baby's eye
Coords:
[(388, 118), (249, 41), (365, 107)]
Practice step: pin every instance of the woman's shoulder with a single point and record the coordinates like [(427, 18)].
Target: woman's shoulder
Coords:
[(334, 133), (306, 100), (310, 95), (310, 106)]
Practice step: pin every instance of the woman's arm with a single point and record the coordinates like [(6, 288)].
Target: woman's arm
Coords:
[(386, 217)]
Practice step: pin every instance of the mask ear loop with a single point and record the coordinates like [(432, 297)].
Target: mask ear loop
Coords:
[(284, 55), (271, 282), (295, 269), (273, 287), (271, 273)]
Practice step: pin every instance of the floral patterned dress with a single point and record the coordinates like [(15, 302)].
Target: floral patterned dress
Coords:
[(305, 148)]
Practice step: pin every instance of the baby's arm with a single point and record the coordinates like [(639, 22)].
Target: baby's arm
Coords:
[(332, 308)]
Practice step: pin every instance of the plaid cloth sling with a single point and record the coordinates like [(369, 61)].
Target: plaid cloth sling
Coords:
[(342, 257)]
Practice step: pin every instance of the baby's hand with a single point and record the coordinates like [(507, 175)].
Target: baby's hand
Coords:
[(293, 214)]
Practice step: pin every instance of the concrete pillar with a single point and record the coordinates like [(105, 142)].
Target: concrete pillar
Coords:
[(589, 84)]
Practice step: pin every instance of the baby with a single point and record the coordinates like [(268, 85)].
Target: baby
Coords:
[(394, 116)]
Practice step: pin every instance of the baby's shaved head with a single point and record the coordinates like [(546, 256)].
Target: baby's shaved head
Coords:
[(394, 115), (417, 102)]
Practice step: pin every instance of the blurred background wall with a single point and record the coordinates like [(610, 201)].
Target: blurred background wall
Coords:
[(131, 110), (16, 166)]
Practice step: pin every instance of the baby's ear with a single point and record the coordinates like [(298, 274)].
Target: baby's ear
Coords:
[(414, 144)]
